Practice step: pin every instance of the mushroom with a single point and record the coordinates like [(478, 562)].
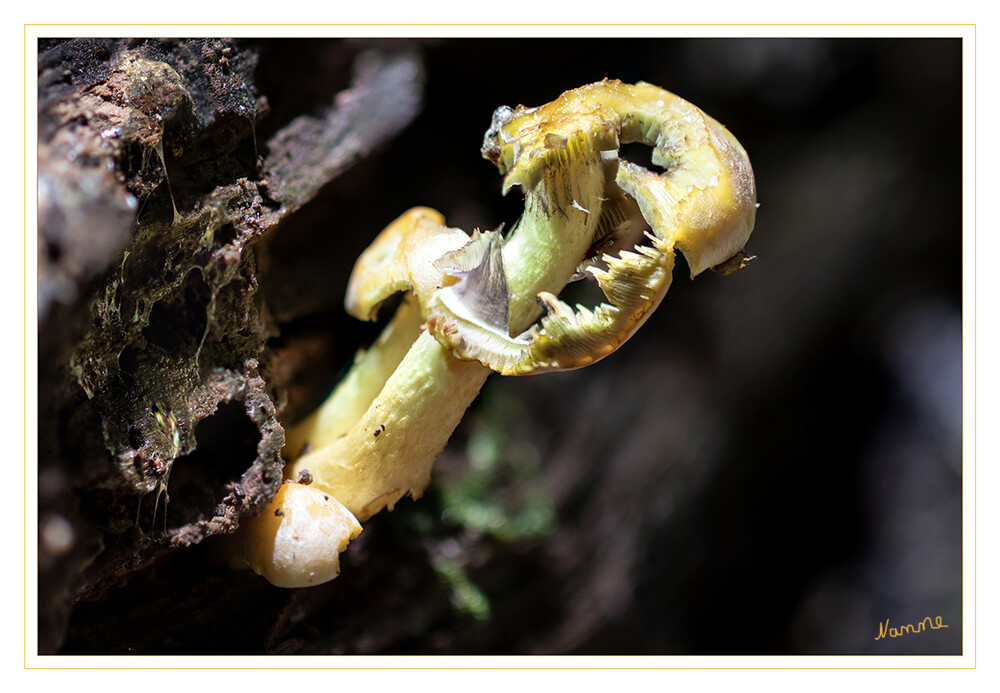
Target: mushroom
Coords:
[(472, 303)]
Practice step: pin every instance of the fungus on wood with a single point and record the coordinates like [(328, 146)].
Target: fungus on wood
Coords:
[(473, 303)]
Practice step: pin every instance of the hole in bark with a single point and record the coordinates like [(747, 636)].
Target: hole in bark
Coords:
[(135, 439), (227, 446), (225, 235)]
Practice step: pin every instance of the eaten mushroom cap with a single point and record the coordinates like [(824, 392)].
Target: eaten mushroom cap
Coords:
[(296, 541), (703, 204), (704, 201)]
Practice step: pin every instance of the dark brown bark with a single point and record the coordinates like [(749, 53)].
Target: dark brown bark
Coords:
[(155, 195)]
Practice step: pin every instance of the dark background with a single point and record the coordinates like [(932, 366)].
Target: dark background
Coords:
[(772, 465)]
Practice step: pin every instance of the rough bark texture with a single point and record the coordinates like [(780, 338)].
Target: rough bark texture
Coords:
[(771, 466), (153, 199)]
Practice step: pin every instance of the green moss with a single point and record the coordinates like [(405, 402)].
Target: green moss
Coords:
[(465, 595), (502, 493)]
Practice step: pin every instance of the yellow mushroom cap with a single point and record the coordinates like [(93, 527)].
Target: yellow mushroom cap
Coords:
[(401, 258), (700, 200), (297, 539), (704, 202)]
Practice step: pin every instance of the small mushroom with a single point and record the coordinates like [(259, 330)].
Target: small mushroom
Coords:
[(472, 302)]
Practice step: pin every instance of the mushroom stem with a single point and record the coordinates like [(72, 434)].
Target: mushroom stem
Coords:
[(544, 250), (359, 388), (297, 542), (390, 450)]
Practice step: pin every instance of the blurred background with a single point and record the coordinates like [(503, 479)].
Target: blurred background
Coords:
[(772, 465)]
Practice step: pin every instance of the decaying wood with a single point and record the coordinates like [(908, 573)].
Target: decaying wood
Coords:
[(154, 194)]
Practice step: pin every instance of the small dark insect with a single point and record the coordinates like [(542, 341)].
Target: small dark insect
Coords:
[(278, 512), (378, 430)]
